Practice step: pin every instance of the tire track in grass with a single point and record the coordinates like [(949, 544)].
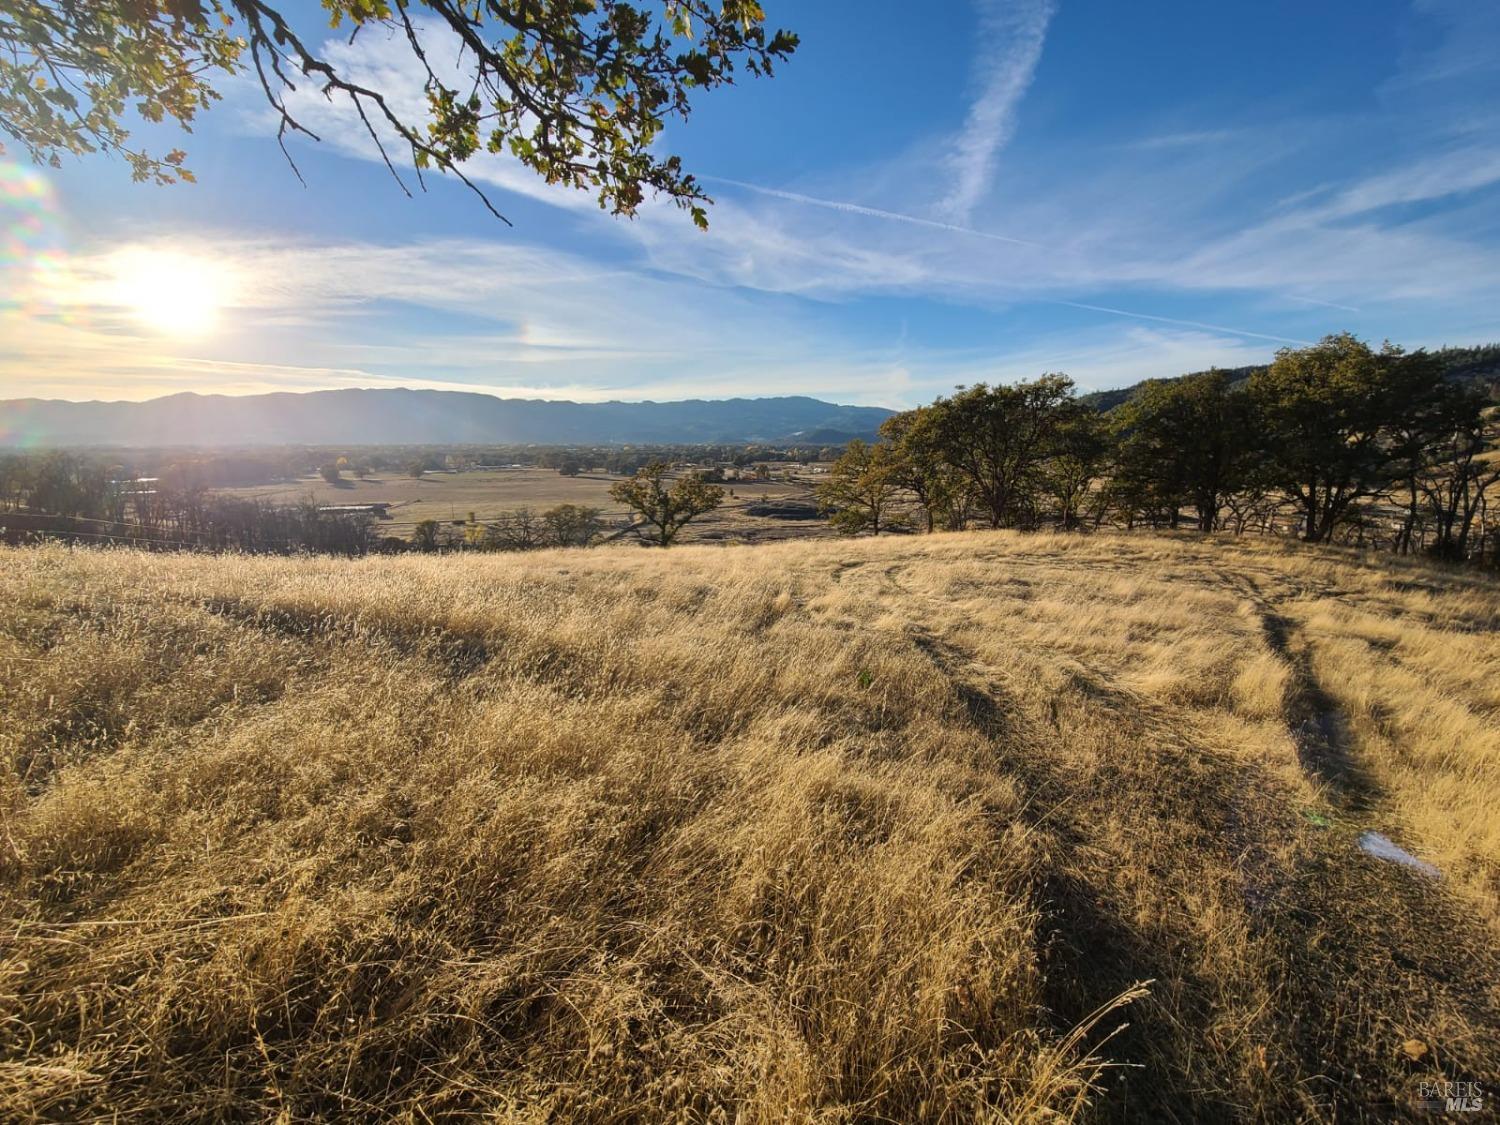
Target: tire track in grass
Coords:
[(1316, 725), (1422, 970), (1156, 784), (1364, 964)]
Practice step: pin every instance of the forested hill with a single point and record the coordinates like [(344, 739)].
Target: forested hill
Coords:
[(395, 416), (1481, 362)]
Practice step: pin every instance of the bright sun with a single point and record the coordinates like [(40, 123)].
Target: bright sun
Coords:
[(170, 292)]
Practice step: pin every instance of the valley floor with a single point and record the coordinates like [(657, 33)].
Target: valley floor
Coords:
[(957, 827)]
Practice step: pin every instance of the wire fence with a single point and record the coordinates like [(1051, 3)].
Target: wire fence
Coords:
[(30, 535)]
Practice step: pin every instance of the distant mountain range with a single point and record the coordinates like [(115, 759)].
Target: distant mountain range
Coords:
[(399, 416)]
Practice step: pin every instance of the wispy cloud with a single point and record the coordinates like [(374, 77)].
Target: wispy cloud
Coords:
[(1436, 176), (1190, 139), (1135, 216), (1114, 355), (1465, 47), (487, 315), (1010, 46), (1323, 304), (789, 290), (1182, 323), (521, 321), (869, 212)]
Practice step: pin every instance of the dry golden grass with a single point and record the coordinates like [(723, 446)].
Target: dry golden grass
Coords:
[(836, 831)]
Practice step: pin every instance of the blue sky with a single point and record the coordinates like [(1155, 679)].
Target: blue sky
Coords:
[(924, 196)]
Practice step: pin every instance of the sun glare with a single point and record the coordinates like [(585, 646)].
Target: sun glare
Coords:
[(173, 293)]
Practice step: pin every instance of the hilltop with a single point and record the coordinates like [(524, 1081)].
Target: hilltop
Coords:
[(400, 416), (886, 829), (1480, 364)]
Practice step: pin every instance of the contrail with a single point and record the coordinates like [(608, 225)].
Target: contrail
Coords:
[(897, 216), (869, 212), (1325, 304), (1010, 46), (1185, 323)]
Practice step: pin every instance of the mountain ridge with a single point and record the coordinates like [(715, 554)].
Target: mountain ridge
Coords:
[(1478, 363), (411, 416), (414, 416)]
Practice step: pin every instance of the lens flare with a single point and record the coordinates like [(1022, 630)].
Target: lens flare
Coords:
[(34, 268), (33, 257)]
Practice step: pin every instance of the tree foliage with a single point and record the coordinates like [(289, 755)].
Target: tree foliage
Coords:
[(1184, 441), (1458, 467), (572, 525), (997, 439), (578, 92), (1323, 412), (666, 508), (1376, 445), (424, 536), (1080, 453), (862, 486), (72, 71), (939, 489)]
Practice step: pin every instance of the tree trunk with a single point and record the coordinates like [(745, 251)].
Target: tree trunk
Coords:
[(1403, 542)]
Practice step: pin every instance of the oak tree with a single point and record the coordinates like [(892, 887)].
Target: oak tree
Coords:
[(424, 536), (572, 525), (1185, 440), (998, 439), (862, 486), (923, 471), (1079, 457), (1323, 412), (666, 508)]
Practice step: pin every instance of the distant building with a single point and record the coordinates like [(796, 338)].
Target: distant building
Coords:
[(381, 510)]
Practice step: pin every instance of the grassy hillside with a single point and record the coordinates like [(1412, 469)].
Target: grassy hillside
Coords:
[(974, 826)]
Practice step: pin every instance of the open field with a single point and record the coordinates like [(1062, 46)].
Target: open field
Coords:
[(452, 496), (943, 828)]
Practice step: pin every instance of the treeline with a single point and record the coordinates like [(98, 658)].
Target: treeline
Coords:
[(78, 497), (617, 460), (223, 524), (33, 472), (1337, 442), (521, 529), (81, 498), (25, 472), (662, 503)]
